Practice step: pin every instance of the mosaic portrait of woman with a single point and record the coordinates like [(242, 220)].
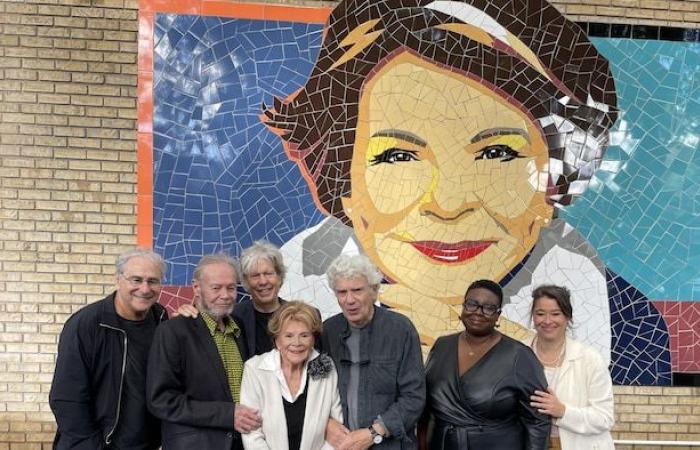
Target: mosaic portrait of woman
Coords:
[(442, 138)]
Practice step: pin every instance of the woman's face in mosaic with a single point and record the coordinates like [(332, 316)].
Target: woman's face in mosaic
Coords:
[(448, 179)]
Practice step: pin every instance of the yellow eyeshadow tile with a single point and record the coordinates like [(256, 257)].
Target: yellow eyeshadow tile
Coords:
[(378, 145)]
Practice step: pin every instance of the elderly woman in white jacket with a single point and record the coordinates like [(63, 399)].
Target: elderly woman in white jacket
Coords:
[(580, 396), (293, 386)]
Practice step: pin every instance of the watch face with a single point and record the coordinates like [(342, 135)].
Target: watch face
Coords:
[(378, 439)]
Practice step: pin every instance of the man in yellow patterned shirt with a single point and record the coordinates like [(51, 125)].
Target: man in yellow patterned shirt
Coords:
[(195, 367)]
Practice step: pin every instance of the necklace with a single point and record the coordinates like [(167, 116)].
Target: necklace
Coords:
[(552, 363), (470, 350)]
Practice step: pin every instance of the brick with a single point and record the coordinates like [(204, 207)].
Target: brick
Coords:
[(54, 10), (53, 75), (21, 74), (72, 66), (34, 41), (97, 90), (10, 85), (14, 162), (69, 43), (41, 64), (69, 110), (54, 99), (37, 277), (39, 110), (103, 112), (35, 215), (88, 78), (18, 118), (85, 206), (96, 35), (10, 62), (669, 15), (103, 24), (21, 8), (87, 12), (84, 122), (654, 4), (50, 141), (37, 20), (83, 143), (69, 196), (53, 32), (23, 31), (103, 68)]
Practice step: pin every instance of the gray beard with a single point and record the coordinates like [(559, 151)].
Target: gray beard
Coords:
[(202, 306)]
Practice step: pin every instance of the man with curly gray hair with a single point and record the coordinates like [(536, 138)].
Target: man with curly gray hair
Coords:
[(378, 357)]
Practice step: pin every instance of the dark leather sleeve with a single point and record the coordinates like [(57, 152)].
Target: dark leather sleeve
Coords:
[(530, 377)]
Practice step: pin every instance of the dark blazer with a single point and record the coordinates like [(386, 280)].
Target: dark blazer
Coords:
[(188, 390), (244, 314), (85, 393)]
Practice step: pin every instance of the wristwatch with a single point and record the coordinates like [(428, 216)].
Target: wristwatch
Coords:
[(376, 437)]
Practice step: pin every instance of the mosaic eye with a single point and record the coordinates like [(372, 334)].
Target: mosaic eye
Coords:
[(394, 155), (503, 152)]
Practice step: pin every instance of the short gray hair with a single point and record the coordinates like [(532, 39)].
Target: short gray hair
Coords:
[(140, 252), (216, 258), (347, 266), (258, 251)]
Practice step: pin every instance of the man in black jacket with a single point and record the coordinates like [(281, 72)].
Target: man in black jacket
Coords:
[(98, 389), (196, 365)]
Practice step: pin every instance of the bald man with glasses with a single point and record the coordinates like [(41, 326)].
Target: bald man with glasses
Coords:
[(99, 385)]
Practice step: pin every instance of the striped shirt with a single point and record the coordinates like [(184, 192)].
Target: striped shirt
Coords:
[(228, 350)]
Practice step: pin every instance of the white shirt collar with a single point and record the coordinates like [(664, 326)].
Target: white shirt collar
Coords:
[(272, 361)]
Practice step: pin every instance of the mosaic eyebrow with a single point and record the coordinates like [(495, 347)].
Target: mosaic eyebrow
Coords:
[(480, 136), (403, 135)]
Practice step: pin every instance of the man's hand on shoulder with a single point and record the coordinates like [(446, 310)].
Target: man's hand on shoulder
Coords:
[(246, 419), (187, 310)]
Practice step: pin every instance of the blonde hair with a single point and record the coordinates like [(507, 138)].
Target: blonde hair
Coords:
[(295, 310)]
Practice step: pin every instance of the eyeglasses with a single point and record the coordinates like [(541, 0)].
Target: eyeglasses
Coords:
[(487, 309), (136, 281)]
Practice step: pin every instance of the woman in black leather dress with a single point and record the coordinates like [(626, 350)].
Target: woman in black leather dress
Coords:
[(479, 383)]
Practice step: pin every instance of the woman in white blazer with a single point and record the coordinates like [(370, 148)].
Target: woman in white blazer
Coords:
[(580, 396), (294, 388)]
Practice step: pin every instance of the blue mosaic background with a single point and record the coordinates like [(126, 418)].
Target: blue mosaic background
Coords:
[(644, 218), (221, 179)]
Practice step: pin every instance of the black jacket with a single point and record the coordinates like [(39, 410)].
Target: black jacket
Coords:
[(244, 315), (87, 382), (188, 389)]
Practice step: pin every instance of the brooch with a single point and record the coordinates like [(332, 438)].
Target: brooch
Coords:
[(320, 367)]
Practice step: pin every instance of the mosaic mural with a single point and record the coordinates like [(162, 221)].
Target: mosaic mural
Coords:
[(448, 141)]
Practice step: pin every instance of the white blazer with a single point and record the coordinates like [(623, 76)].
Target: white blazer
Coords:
[(263, 387), (584, 386)]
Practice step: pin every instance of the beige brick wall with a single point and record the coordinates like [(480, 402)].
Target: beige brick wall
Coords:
[(67, 192), (67, 202), (649, 12)]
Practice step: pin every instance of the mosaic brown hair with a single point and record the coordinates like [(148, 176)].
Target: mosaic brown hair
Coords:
[(527, 52)]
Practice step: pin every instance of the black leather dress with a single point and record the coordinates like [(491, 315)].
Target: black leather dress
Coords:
[(487, 408)]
